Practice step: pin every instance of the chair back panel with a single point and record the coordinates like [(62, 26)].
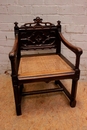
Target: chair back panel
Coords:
[(38, 38), (38, 35)]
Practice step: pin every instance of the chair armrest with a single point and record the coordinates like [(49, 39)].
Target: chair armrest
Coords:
[(14, 49), (14, 57), (78, 51)]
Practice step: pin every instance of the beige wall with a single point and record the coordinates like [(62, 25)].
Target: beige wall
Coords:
[(73, 16)]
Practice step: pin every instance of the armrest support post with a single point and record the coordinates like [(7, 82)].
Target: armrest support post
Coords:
[(14, 57), (13, 65), (77, 62)]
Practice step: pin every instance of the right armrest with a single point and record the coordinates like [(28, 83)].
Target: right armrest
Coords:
[(14, 49), (76, 50)]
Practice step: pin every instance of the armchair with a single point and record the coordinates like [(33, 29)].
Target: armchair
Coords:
[(45, 67)]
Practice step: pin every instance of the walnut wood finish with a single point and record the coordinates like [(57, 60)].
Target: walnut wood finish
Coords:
[(42, 67)]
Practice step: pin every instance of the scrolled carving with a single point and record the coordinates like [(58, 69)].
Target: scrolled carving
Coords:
[(38, 34), (38, 39), (37, 23)]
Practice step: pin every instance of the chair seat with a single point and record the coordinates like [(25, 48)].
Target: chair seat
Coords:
[(42, 65)]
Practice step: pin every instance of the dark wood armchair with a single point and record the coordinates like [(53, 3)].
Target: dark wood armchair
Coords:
[(42, 67)]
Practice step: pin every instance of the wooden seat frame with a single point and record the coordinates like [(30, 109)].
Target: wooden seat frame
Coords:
[(42, 35)]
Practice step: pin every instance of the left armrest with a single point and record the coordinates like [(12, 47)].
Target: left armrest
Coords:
[(14, 57), (78, 51), (14, 49)]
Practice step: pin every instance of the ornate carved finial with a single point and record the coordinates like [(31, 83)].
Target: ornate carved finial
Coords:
[(37, 20), (58, 22), (59, 25), (16, 24), (16, 28)]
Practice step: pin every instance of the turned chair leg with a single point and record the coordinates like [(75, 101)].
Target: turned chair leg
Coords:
[(17, 99), (73, 93)]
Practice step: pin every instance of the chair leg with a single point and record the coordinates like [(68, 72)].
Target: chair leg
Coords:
[(17, 99), (21, 88), (73, 93), (56, 82)]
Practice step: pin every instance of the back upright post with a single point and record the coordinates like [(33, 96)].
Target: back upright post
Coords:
[(16, 28), (58, 50)]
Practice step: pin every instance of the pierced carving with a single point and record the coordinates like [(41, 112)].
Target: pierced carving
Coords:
[(38, 34), (38, 39), (37, 23)]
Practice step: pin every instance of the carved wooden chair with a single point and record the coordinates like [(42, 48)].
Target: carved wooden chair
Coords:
[(42, 67)]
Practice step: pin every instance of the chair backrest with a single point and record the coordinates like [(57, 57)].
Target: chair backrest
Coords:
[(38, 35)]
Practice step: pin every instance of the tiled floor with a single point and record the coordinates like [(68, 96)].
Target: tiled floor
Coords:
[(42, 112)]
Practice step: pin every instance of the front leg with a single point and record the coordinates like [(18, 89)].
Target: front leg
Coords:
[(17, 95)]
